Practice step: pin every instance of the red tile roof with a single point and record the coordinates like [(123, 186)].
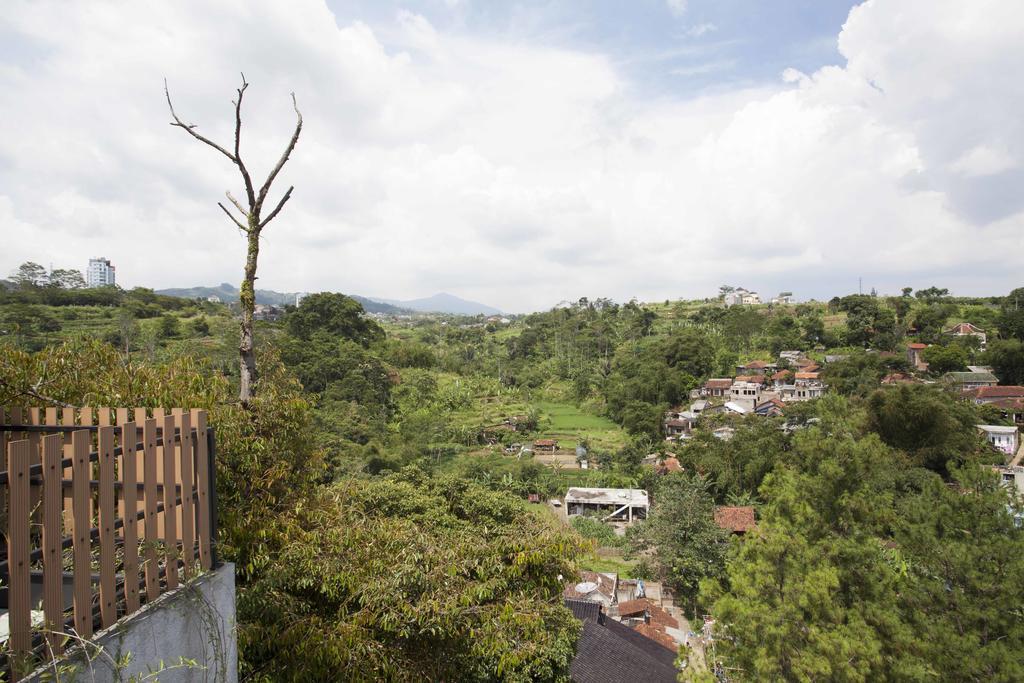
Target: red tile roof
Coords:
[(807, 375), (917, 346), (997, 392), (756, 379), (781, 374), (735, 519), (637, 608), (718, 384), (755, 365), (657, 635), (669, 465)]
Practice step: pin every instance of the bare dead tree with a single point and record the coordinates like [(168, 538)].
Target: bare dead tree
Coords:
[(251, 225)]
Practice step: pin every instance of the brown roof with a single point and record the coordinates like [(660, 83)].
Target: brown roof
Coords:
[(781, 374), (1008, 391), (1015, 405), (657, 635), (756, 379), (803, 362), (896, 378), (807, 375), (917, 346), (755, 365), (718, 384), (545, 442), (637, 608), (735, 519)]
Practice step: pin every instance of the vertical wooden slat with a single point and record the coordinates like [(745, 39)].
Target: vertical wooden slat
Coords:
[(129, 514), (158, 415), (188, 524), (108, 590), (178, 520), (120, 417), (35, 440), (82, 472), (140, 462), (19, 590), (203, 487), (53, 566), (103, 417), (67, 418), (149, 476), (170, 506)]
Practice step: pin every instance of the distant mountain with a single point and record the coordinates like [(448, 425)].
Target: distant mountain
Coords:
[(443, 303), (229, 293)]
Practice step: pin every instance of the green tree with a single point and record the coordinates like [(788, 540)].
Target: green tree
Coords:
[(687, 544), (943, 359), (66, 279), (29, 275), (1011, 315), (928, 424), (333, 314), (1006, 356)]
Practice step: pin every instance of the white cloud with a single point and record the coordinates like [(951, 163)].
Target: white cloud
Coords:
[(513, 173), (699, 30)]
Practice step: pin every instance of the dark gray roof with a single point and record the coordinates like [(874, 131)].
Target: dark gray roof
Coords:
[(610, 652)]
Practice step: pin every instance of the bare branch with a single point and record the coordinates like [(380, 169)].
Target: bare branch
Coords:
[(32, 392), (281, 162), (188, 128), (277, 208), (237, 205), (250, 194), (233, 219)]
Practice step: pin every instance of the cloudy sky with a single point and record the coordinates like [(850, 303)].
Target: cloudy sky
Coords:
[(525, 153)]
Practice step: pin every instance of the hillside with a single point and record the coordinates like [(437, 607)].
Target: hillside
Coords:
[(442, 302), (227, 293)]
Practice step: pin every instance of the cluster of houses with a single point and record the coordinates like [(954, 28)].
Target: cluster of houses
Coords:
[(759, 387), (632, 629), (743, 297)]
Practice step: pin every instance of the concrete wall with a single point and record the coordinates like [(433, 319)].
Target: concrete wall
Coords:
[(195, 621)]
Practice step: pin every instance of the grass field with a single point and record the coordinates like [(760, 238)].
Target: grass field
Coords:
[(566, 421)]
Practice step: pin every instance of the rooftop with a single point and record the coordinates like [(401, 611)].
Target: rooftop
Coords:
[(738, 519), (635, 497)]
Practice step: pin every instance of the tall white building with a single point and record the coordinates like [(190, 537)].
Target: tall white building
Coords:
[(101, 273)]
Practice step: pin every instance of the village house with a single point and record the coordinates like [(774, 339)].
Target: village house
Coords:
[(783, 299), (596, 587), (609, 504), (545, 445), (756, 367), (716, 387), (985, 395), (741, 296), (1003, 438), (608, 650), (1012, 475), (969, 330), (773, 407), (745, 394), (914, 356), (965, 381)]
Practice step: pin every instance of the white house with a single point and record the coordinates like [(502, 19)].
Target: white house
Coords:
[(1012, 476), (1003, 438), (745, 394), (614, 504)]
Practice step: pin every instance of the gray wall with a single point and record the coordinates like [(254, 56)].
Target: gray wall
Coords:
[(195, 621)]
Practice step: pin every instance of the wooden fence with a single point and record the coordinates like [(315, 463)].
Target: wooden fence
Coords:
[(104, 510)]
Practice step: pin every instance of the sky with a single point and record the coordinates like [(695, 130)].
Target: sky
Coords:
[(524, 153)]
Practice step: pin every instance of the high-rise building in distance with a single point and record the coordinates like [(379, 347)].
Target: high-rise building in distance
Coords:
[(101, 273)]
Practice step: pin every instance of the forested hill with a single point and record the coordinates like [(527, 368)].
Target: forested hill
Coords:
[(227, 293)]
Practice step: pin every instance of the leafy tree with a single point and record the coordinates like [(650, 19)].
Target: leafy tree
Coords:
[(333, 314), (201, 327), (925, 422), (943, 359), (412, 578), (66, 279), (1011, 315), (930, 321), (687, 544), (965, 556), (931, 294), (29, 275), (809, 595), (1006, 356)]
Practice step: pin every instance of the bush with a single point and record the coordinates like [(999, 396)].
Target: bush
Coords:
[(597, 531)]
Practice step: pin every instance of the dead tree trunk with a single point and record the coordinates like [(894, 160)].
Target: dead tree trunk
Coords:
[(252, 215)]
